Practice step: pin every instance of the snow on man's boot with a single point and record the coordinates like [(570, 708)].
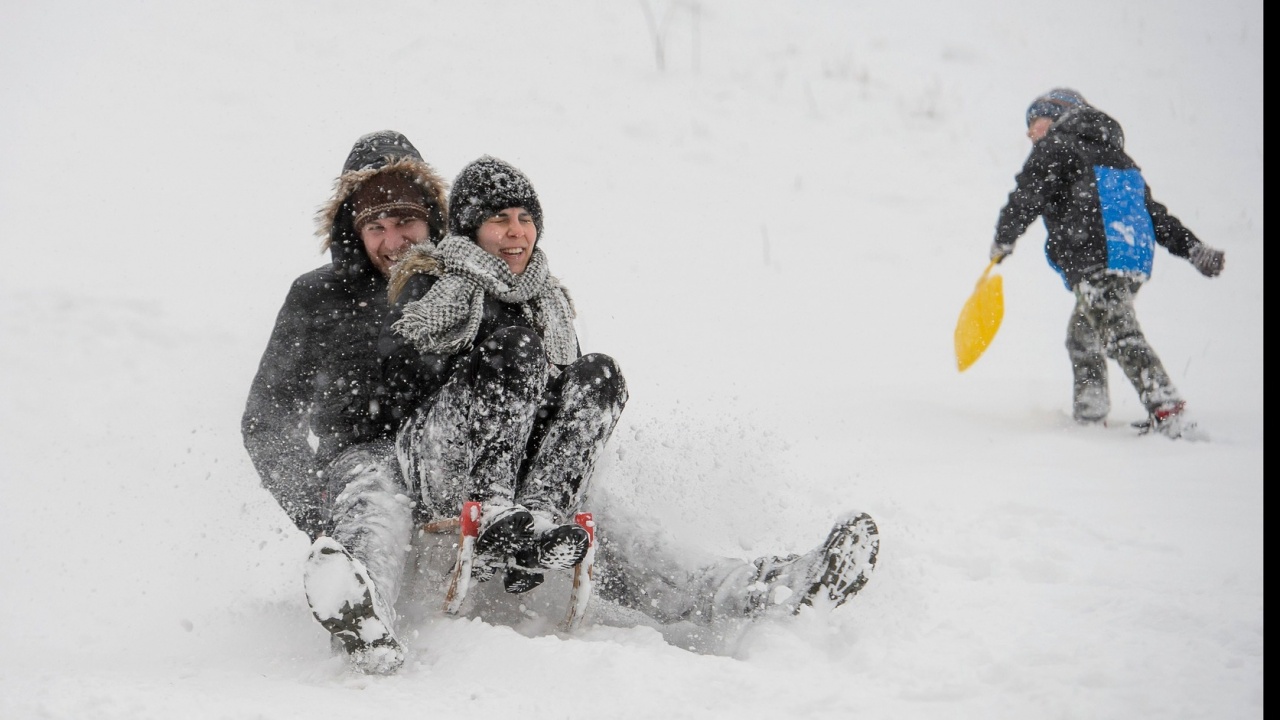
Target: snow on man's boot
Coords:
[(828, 575), (346, 602), (842, 565), (505, 530)]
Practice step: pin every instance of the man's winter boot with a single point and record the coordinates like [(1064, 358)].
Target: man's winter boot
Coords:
[(346, 602), (829, 574), (505, 530), (842, 565)]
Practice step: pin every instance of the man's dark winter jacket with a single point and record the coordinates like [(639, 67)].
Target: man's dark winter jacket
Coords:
[(1097, 208), (318, 389)]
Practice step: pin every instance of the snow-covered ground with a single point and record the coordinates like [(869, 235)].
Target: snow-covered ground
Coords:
[(770, 214)]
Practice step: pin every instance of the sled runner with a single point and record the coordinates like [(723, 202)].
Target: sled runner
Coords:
[(467, 524)]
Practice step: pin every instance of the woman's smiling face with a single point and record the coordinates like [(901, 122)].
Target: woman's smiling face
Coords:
[(509, 234)]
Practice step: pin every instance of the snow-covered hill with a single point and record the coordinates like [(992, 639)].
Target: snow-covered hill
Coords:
[(772, 230)]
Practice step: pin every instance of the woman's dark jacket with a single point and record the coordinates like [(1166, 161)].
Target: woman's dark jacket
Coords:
[(411, 377)]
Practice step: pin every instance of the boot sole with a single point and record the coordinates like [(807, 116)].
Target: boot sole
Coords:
[(341, 598), (851, 551)]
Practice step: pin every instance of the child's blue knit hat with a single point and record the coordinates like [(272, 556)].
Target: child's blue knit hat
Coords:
[(1054, 103)]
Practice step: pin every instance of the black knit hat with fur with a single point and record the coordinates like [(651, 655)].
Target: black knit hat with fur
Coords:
[(486, 187)]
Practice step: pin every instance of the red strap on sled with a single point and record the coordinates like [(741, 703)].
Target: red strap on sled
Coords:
[(584, 519), (470, 519)]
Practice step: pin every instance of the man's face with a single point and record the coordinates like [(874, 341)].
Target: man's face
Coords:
[(1038, 128), (509, 234), (386, 239)]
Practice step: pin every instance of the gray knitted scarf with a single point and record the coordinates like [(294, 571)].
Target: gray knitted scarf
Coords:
[(447, 319)]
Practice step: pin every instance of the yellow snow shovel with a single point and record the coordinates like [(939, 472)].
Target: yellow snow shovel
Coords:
[(979, 318)]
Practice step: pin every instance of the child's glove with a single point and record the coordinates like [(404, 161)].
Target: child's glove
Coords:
[(1207, 260), (1000, 252)]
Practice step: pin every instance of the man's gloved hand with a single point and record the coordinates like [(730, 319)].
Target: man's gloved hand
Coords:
[(1207, 260), (1000, 252)]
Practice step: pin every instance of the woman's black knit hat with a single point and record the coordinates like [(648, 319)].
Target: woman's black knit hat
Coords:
[(486, 187)]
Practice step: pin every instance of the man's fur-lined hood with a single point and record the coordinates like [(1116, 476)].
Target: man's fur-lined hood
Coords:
[(373, 154)]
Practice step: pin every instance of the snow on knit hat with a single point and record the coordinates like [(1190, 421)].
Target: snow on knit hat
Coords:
[(388, 194), (1054, 103), (486, 187), (389, 155)]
